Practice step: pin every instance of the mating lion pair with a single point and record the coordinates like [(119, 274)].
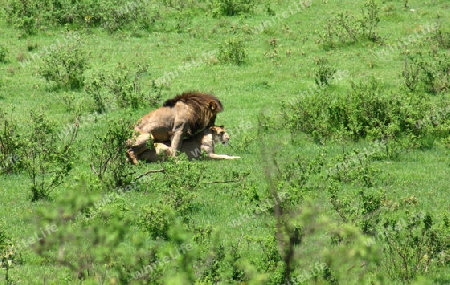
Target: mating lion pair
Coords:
[(184, 123)]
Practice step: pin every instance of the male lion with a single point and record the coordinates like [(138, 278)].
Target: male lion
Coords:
[(179, 117), (193, 146)]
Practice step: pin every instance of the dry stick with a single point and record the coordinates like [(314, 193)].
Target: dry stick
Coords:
[(216, 182), (150, 171)]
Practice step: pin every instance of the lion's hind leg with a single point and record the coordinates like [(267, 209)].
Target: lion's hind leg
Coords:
[(138, 146)]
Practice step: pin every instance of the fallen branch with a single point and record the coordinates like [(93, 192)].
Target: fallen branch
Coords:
[(217, 182), (148, 172)]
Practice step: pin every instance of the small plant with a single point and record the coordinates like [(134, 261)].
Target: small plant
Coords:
[(10, 143), (346, 28), (47, 157), (178, 189), (125, 87), (3, 53), (430, 72), (340, 29), (324, 72), (95, 88), (108, 155), (68, 100), (442, 38), (116, 244), (23, 15), (413, 244), (355, 167), (156, 219), (411, 73), (233, 51), (370, 19), (232, 7), (65, 66), (8, 255)]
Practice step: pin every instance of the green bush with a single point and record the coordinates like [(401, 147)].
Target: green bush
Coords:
[(93, 248), (413, 243), (232, 7), (370, 19), (124, 87), (442, 38), (156, 220), (428, 72), (3, 53), (47, 157), (95, 87), (324, 72), (233, 51), (366, 111), (65, 66), (355, 166), (341, 29), (346, 28), (24, 14), (10, 144), (9, 255), (108, 160), (177, 195), (31, 15)]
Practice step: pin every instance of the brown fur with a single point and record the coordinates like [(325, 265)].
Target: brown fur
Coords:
[(201, 105), (192, 147), (179, 117)]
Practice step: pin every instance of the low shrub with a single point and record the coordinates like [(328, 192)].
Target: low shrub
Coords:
[(233, 51), (10, 144), (346, 28), (232, 7), (9, 255), (324, 72), (47, 157), (31, 15), (123, 88), (413, 243), (367, 111), (108, 160), (3, 53), (428, 72), (65, 66), (24, 14), (156, 220), (123, 252)]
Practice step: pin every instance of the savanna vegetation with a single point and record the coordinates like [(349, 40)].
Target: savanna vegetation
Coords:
[(339, 111)]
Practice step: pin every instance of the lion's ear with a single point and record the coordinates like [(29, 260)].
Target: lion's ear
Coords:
[(212, 105)]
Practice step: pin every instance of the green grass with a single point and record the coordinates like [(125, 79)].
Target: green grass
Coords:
[(258, 86)]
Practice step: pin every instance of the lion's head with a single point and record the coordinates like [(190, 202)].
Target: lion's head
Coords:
[(202, 109), (219, 134)]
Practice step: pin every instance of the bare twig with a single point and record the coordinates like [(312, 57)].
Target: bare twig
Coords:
[(150, 171), (217, 182), (93, 169)]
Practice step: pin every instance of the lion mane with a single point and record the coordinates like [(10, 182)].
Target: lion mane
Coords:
[(200, 106)]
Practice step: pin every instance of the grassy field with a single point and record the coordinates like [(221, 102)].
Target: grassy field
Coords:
[(361, 201)]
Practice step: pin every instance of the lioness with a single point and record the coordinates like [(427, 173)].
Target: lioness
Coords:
[(193, 146), (179, 117)]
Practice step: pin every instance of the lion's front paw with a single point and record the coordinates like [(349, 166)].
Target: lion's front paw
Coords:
[(171, 151)]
